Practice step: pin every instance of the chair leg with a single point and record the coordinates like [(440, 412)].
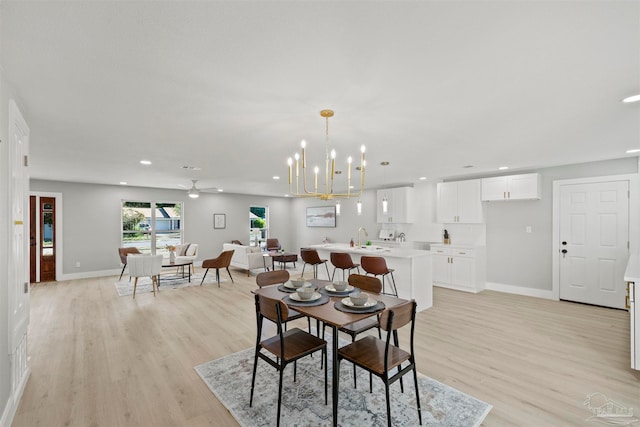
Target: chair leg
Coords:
[(334, 273), (280, 395), (135, 284), (355, 385), (326, 398), (218, 276), (386, 392), (253, 377), (122, 272), (230, 276), (205, 275), (415, 382), (327, 267), (303, 267)]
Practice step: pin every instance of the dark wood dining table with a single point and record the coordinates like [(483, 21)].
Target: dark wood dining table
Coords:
[(333, 317)]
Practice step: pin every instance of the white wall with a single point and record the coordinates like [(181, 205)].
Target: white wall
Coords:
[(91, 221), (521, 259)]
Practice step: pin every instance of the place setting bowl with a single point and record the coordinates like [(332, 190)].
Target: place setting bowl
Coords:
[(305, 294), (358, 300), (340, 288)]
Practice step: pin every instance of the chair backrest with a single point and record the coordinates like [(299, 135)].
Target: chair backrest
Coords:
[(396, 317), (310, 256), (272, 277), (273, 244), (366, 283), (144, 265), (341, 260), (222, 261), (269, 307), (374, 264), (237, 242), (123, 252), (226, 257)]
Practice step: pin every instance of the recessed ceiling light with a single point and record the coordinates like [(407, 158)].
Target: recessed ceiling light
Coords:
[(220, 190), (145, 162), (467, 166), (192, 168), (123, 183), (422, 178), (286, 195), (634, 98), (634, 150), (503, 168), (276, 177)]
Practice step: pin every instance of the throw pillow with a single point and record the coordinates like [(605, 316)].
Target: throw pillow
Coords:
[(191, 251), (183, 250), (254, 249)]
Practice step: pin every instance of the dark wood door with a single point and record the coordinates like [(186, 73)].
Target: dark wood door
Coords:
[(47, 239), (33, 247)]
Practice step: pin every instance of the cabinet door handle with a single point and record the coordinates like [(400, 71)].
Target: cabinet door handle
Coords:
[(504, 194), (508, 194)]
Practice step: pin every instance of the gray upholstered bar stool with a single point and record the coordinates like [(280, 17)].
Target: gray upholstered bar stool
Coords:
[(377, 266)]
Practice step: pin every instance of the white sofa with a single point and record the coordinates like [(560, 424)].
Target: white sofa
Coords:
[(245, 257)]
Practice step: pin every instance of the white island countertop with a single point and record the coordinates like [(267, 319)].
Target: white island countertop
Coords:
[(412, 268), (374, 250)]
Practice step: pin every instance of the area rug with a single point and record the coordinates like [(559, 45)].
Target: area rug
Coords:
[(125, 287), (229, 378)]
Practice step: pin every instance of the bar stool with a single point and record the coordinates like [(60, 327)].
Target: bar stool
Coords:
[(311, 257), (342, 261), (377, 266)]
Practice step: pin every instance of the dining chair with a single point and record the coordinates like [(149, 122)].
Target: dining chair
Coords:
[(311, 257), (145, 266), (380, 357), (377, 266), (123, 252), (371, 285), (286, 346), (277, 277), (273, 244), (343, 261), (222, 261)]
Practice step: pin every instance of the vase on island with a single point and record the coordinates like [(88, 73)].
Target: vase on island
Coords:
[(172, 256)]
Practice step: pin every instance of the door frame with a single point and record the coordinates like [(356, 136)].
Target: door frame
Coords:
[(58, 232), (634, 219)]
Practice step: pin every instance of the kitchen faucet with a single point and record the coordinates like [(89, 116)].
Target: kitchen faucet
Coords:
[(365, 233)]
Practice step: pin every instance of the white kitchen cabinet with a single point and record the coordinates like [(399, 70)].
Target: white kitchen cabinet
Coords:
[(511, 187), (458, 267), (459, 202), (399, 205)]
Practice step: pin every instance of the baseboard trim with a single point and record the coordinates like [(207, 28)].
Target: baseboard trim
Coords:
[(101, 273), (11, 407), (519, 290)]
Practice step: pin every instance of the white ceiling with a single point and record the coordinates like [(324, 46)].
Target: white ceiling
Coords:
[(232, 87)]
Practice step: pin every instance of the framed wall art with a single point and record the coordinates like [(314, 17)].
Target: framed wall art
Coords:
[(219, 220), (321, 216)]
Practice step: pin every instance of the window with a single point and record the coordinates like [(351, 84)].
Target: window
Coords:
[(258, 225), (151, 226)]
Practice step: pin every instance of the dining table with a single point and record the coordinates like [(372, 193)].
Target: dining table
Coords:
[(334, 317)]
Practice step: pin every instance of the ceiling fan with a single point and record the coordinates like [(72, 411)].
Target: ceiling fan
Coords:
[(194, 191)]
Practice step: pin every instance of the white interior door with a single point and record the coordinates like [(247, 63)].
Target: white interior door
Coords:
[(594, 242), (18, 251)]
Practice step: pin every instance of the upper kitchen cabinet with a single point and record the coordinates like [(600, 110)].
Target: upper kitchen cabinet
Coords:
[(511, 187), (399, 205), (459, 202)]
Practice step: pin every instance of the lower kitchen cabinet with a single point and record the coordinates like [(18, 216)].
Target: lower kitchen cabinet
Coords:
[(459, 267)]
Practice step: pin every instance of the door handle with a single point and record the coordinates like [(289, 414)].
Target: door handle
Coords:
[(564, 253)]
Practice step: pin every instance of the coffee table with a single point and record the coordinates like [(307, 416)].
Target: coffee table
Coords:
[(282, 257), (178, 264)]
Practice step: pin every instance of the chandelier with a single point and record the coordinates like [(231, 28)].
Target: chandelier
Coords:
[(329, 173)]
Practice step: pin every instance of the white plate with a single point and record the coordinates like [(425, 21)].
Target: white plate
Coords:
[(330, 288), (289, 285), (370, 303), (316, 296)]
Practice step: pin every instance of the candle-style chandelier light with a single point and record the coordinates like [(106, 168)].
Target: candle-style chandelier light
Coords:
[(329, 173)]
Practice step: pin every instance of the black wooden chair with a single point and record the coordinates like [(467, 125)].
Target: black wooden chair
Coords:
[(380, 357), (286, 346)]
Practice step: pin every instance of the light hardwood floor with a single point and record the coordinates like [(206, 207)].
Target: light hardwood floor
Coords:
[(102, 360)]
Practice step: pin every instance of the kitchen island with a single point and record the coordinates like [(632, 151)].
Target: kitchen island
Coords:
[(412, 268)]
